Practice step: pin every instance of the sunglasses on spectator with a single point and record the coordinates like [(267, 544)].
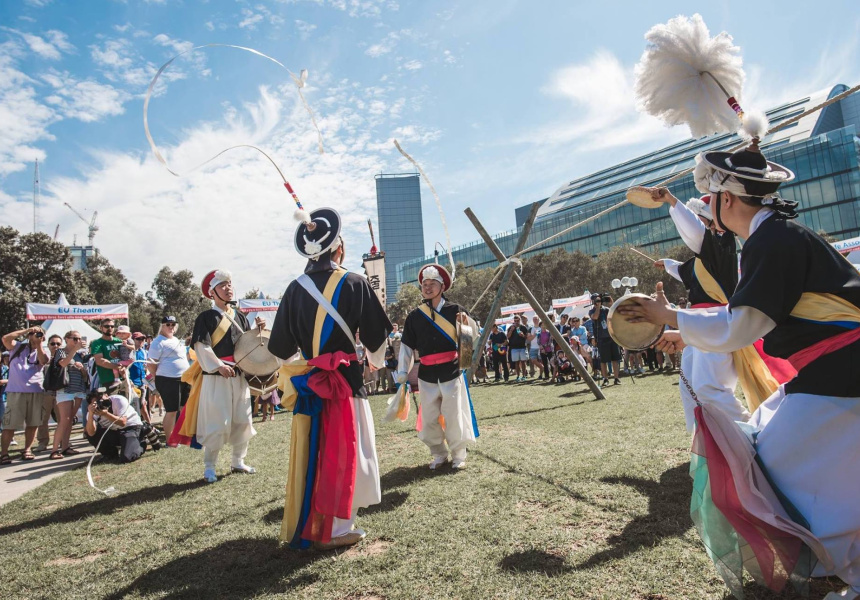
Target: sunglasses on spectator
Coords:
[(74, 339), (171, 324), (55, 343)]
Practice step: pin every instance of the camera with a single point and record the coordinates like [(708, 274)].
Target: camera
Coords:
[(96, 396)]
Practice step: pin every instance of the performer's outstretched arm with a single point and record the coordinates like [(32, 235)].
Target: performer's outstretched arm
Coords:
[(404, 363), (723, 330), (690, 227)]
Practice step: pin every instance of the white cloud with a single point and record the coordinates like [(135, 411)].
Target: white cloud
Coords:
[(412, 65), (209, 25), (238, 198), (51, 47), (388, 44), (86, 100), (178, 46), (122, 28), (39, 3), (449, 57), (305, 29), (251, 19), (355, 8)]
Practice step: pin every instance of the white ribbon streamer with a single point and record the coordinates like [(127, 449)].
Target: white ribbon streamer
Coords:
[(299, 81), (438, 205)]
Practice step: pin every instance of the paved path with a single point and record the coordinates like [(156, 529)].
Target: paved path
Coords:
[(22, 476)]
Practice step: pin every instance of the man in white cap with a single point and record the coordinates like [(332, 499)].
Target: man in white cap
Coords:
[(803, 298), (431, 329), (333, 466), (224, 408), (712, 375)]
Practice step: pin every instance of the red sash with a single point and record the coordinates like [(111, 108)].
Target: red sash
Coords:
[(439, 359)]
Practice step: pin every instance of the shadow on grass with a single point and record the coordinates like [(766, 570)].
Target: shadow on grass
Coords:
[(390, 501), (513, 469), (276, 515), (535, 561), (537, 410), (668, 514), (243, 568), (103, 506), (818, 588), (406, 475)]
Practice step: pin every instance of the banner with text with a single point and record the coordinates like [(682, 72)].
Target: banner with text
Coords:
[(258, 305), (91, 312), (374, 268)]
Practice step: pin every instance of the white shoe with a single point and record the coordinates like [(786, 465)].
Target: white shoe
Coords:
[(846, 594), (438, 461), (13, 443), (459, 463), (243, 468), (209, 476)]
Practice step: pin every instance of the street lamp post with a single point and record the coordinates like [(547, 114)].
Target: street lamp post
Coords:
[(626, 283)]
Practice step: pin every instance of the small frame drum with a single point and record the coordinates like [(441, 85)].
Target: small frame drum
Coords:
[(641, 197), (258, 365), (632, 336)]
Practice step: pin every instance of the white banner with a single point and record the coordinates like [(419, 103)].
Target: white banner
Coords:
[(374, 268), (258, 305), (45, 312), (504, 321), (517, 309), (574, 301), (847, 245)]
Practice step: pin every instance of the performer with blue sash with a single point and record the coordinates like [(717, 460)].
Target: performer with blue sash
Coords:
[(333, 466), (446, 413)]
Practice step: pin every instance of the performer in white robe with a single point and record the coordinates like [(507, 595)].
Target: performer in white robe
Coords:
[(443, 391), (224, 410), (333, 466), (712, 375), (804, 299)]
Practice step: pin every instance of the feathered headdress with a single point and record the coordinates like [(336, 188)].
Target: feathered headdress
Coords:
[(685, 76)]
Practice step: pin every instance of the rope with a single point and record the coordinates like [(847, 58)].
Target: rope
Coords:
[(677, 176), (513, 260), (438, 205)]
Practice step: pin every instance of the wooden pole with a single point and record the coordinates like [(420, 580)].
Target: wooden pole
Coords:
[(559, 339), (503, 285)]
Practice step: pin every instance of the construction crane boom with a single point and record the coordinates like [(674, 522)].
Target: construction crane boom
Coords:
[(91, 224)]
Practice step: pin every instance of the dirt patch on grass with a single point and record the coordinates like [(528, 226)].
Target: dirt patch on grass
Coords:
[(374, 548), (71, 560)]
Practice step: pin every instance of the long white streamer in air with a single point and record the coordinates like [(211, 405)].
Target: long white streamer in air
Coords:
[(438, 205), (298, 80)]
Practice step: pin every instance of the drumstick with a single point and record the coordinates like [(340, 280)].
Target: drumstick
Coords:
[(643, 255)]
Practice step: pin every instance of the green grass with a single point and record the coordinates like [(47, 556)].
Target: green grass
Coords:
[(563, 497)]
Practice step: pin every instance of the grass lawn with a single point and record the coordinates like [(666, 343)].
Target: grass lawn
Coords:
[(563, 497)]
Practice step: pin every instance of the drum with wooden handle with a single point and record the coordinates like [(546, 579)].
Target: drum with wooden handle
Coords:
[(632, 336), (465, 345), (258, 365)]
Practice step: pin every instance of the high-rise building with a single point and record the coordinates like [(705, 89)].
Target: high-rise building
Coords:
[(401, 228), (823, 150)]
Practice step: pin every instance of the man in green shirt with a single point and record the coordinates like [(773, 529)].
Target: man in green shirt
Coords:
[(105, 351)]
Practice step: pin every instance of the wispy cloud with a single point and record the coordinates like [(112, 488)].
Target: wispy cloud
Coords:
[(51, 46), (86, 100), (354, 8), (412, 65), (305, 29), (251, 19), (385, 46)]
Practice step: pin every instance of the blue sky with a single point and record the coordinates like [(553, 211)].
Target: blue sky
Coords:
[(501, 102)]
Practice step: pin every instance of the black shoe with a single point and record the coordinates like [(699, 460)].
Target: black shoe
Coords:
[(606, 381), (616, 382)]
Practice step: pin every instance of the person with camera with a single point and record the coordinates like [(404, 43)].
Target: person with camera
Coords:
[(24, 392), (610, 352), (111, 416)]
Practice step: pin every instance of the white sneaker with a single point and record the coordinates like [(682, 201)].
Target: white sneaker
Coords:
[(13, 443), (438, 461), (243, 468), (209, 476), (459, 463)]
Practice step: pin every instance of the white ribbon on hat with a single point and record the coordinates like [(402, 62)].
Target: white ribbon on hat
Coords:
[(219, 278), (432, 273)]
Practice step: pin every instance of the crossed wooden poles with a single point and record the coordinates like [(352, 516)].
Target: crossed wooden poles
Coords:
[(508, 274)]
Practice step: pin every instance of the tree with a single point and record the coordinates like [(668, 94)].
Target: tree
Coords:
[(33, 268), (179, 296), (408, 297), (251, 294)]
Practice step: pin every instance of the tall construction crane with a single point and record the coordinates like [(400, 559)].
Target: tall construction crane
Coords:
[(92, 227), (56, 231)]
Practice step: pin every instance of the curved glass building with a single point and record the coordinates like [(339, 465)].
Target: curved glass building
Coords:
[(823, 149)]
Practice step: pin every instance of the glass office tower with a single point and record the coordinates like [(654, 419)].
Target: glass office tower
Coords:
[(401, 228), (823, 150)]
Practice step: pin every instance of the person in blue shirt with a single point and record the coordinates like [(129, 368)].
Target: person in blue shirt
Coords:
[(137, 372)]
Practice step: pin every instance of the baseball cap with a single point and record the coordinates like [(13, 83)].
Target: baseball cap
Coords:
[(595, 297), (137, 336), (169, 319)]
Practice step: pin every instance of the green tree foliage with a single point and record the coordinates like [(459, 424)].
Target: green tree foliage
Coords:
[(178, 294), (408, 297)]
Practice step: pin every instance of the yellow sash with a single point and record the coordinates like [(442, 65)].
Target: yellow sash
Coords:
[(300, 429), (444, 324), (754, 376), (824, 308), (223, 327)]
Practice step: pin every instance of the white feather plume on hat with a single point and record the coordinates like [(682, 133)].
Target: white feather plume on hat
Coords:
[(672, 83)]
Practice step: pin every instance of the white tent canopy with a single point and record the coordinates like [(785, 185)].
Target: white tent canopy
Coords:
[(61, 326)]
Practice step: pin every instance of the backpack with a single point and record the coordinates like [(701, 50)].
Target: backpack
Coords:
[(56, 375)]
